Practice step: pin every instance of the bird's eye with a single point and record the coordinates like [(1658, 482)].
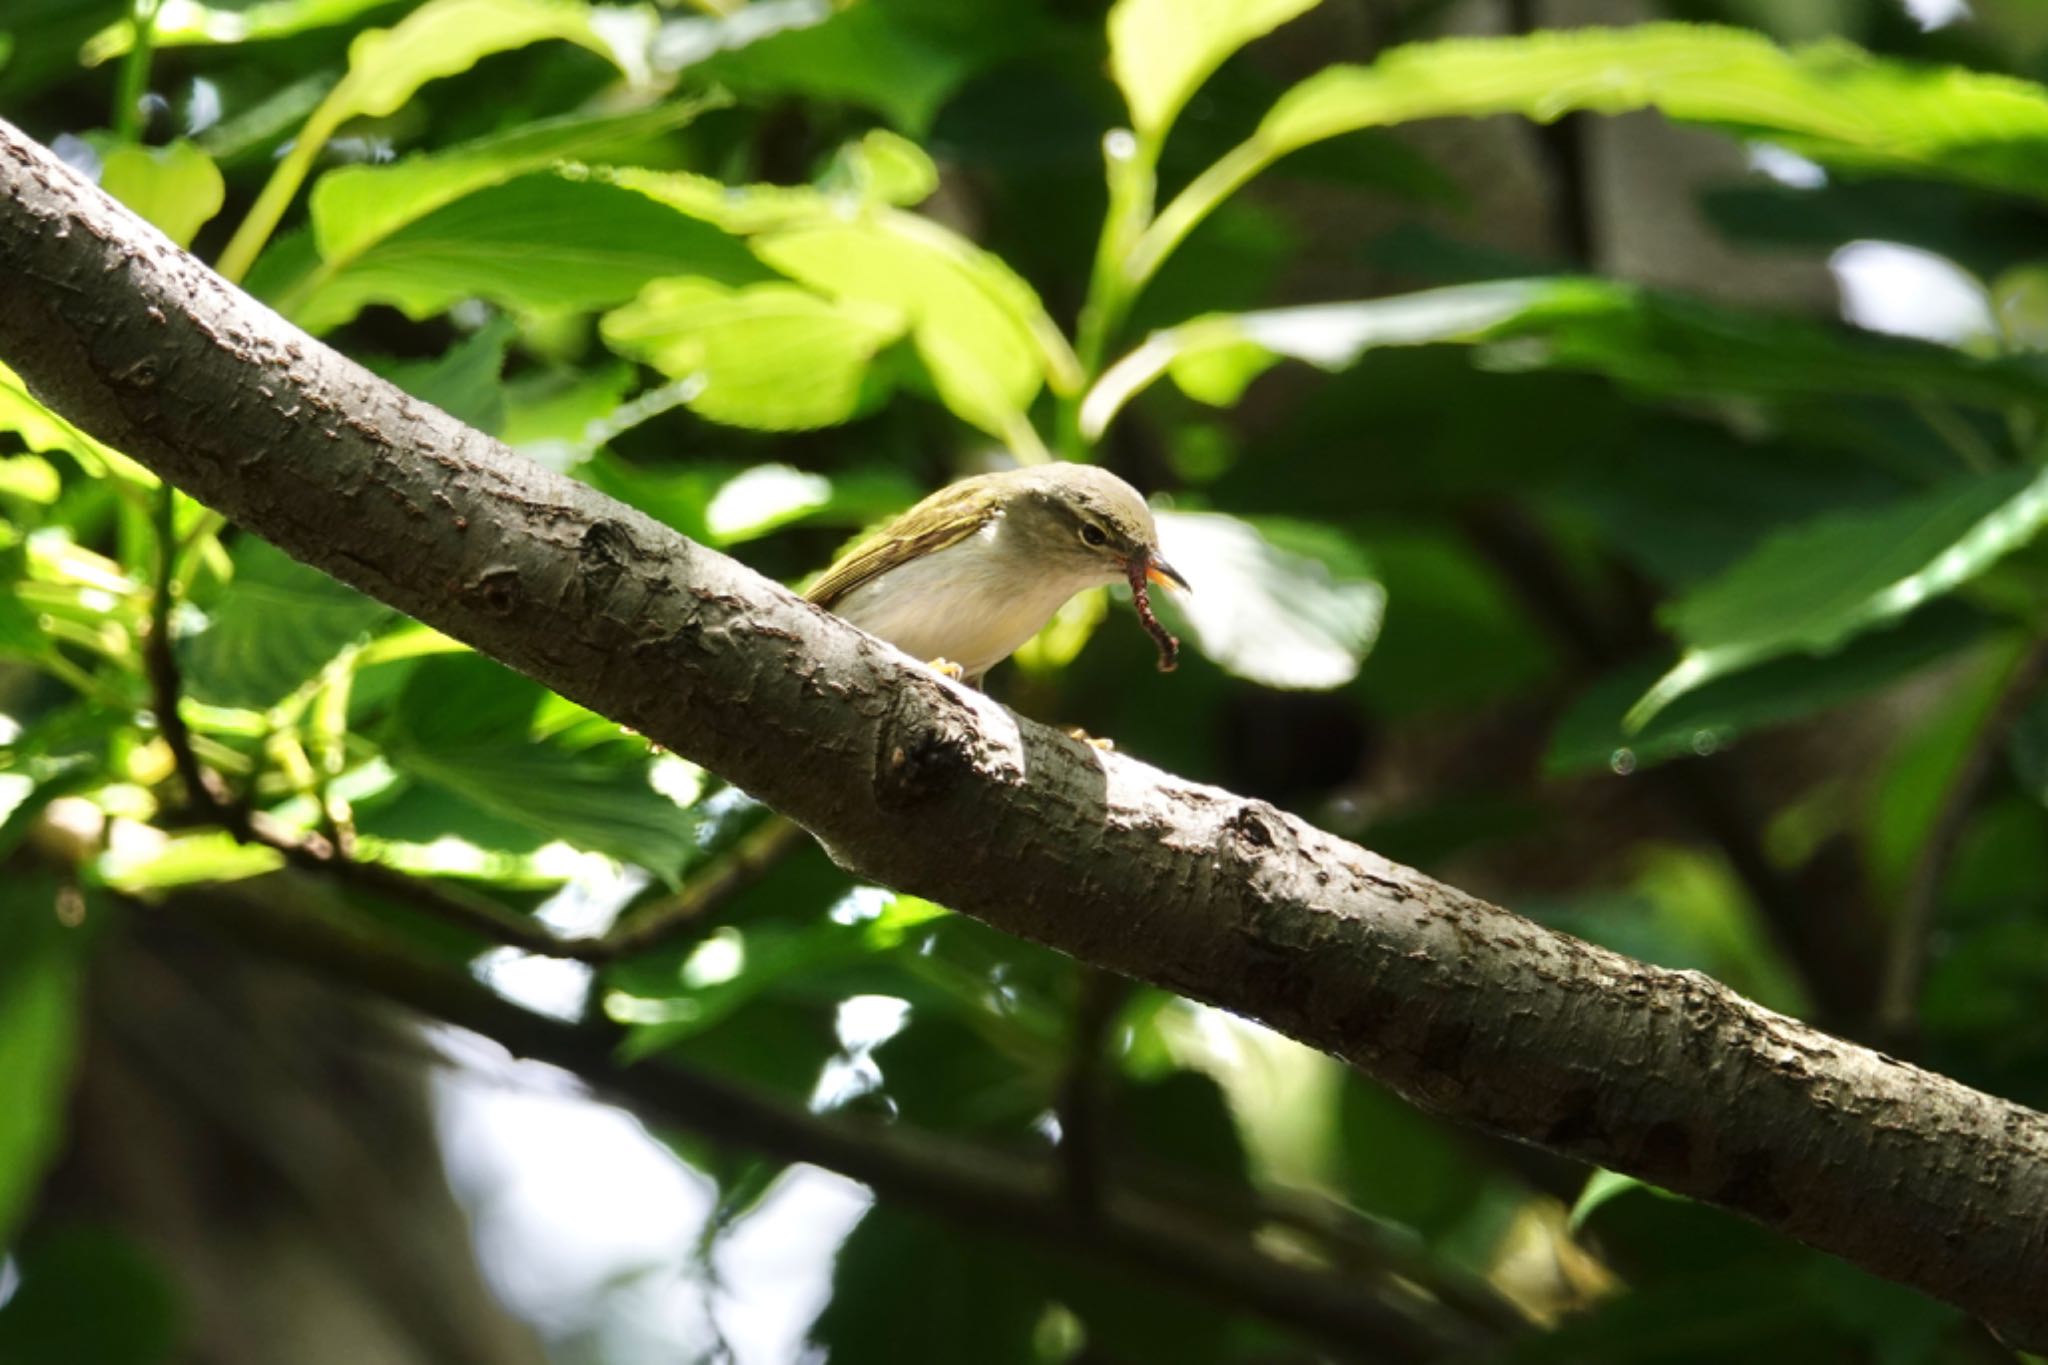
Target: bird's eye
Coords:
[(1091, 534)]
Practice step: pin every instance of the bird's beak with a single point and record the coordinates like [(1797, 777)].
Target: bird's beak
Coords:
[(1164, 574)]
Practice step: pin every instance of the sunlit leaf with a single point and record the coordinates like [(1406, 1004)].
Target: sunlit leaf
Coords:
[(387, 66), (187, 23), (527, 244), (29, 477), (177, 187), (979, 329), (184, 860), (354, 209), (773, 356), (1830, 101), (466, 725), (1656, 341), (1286, 604), (1812, 589), (1160, 51), (44, 431)]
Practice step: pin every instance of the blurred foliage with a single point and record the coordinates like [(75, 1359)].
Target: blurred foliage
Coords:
[(1514, 534)]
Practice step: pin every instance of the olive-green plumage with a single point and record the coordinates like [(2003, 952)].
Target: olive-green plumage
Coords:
[(974, 570)]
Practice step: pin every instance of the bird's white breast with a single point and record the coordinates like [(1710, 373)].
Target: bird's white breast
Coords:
[(973, 602)]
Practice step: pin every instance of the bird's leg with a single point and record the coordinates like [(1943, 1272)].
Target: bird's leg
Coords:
[(946, 668), (1105, 745)]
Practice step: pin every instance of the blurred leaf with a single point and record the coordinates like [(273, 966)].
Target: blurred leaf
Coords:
[(904, 1288), (525, 244), (466, 724), (178, 188), (1829, 101), (30, 478), (463, 382), (767, 497), (189, 23), (1160, 51), (551, 416), (1661, 343), (1286, 604), (44, 431), (1590, 736), (772, 356), (1402, 1165), (184, 860), (442, 38), (1182, 1120), (1812, 589), (899, 57), (883, 168), (90, 1294), (1602, 1186), (276, 626), (39, 1005)]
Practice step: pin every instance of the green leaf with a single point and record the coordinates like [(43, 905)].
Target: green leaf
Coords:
[(277, 625), (90, 1294), (469, 726), (184, 860), (771, 356), (1590, 736), (189, 23), (1812, 589), (905, 1288), (1160, 51), (30, 478), (901, 58), (385, 68), (1831, 102), (1286, 604), (177, 187), (39, 1004), (44, 431), (1600, 1187), (464, 382), (527, 244), (979, 329), (355, 209), (443, 38), (1657, 342)]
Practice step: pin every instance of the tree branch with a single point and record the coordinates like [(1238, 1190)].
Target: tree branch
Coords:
[(917, 783)]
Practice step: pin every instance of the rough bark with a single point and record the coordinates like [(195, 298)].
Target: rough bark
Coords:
[(1467, 1009)]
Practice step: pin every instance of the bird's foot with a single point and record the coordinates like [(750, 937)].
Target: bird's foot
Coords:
[(946, 668), (1107, 746)]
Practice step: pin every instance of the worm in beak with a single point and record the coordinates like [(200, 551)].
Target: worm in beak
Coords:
[(1147, 568)]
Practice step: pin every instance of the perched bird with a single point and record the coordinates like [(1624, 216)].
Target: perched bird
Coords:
[(976, 569)]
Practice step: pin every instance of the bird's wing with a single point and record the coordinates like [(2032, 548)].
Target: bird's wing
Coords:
[(949, 515)]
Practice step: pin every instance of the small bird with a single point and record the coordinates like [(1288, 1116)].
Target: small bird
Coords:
[(969, 574)]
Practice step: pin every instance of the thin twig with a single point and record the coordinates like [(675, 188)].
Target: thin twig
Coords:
[(1919, 903), (944, 1176), (725, 877)]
